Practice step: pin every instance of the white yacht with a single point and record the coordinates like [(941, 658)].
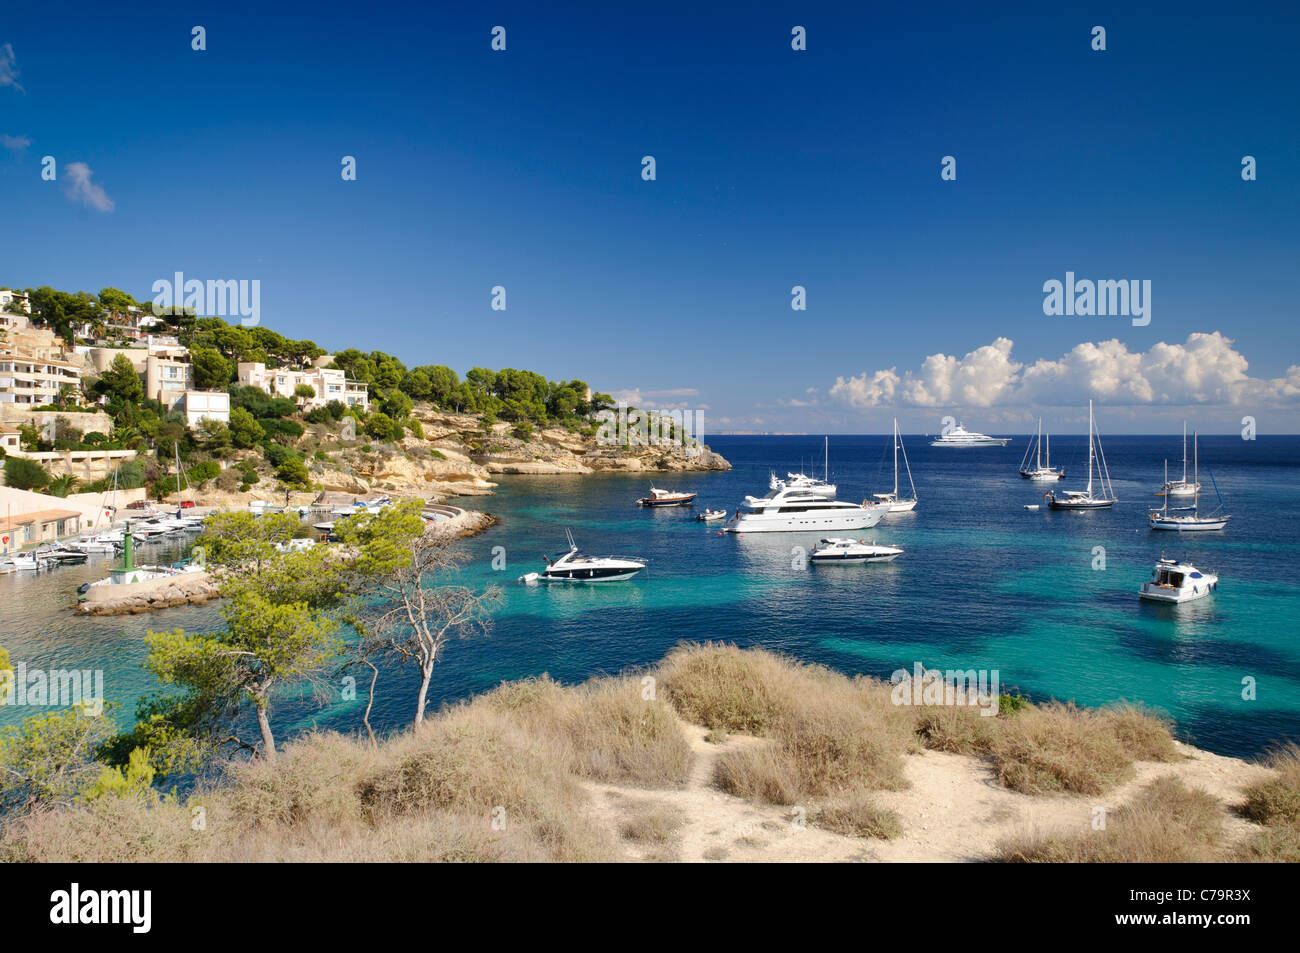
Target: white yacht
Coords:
[(834, 549), (1085, 499), (892, 502), (573, 566), (810, 484), (1180, 488), (1172, 581), (787, 510), (959, 436), (1188, 519), (1041, 471)]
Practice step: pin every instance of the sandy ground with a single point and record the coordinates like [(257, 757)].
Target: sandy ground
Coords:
[(954, 810)]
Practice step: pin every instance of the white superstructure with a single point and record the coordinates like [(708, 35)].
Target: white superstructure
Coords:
[(787, 510)]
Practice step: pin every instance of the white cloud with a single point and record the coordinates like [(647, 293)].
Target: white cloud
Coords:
[(15, 143), (81, 189), (9, 68), (1205, 369)]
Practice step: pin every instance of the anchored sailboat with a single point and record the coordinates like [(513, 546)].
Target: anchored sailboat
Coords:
[(1181, 488), (1085, 499), (1185, 519), (1040, 471), (894, 503)]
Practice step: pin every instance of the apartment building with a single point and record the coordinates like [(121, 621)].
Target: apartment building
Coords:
[(35, 366), (198, 405), (328, 384)]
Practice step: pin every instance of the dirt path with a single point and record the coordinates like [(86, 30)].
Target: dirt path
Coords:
[(955, 810)]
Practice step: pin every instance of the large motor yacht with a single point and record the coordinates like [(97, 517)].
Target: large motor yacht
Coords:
[(573, 566), (959, 436), (788, 510)]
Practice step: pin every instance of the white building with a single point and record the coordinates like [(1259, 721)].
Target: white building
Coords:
[(200, 405), (9, 294), (328, 384)]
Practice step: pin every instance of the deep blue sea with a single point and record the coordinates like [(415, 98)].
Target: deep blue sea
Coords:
[(983, 584)]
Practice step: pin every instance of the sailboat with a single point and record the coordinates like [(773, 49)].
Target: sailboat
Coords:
[(1181, 488), (1186, 519), (1040, 471), (1084, 499), (892, 500)]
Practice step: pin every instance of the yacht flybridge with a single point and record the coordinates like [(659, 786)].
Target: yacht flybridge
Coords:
[(573, 566), (1172, 581), (1041, 471), (1181, 488), (1188, 519), (1086, 499), (892, 502), (788, 510), (959, 436)]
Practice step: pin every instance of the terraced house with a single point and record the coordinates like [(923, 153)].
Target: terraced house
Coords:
[(326, 383), (35, 365)]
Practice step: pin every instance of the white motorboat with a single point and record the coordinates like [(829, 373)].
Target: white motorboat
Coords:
[(834, 549), (892, 502), (99, 543), (573, 566), (1041, 471), (1188, 519), (1086, 499), (787, 510), (30, 562), (666, 498), (709, 516), (1180, 489), (959, 436), (1173, 581)]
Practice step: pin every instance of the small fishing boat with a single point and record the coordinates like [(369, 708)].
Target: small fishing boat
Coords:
[(1188, 519), (833, 549), (708, 516), (666, 498), (573, 566), (1086, 499), (1041, 471), (1173, 581)]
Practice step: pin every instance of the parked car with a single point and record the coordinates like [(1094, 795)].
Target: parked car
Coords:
[(138, 505), (187, 504)]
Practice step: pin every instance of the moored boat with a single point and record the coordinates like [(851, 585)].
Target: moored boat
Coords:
[(666, 498), (838, 550), (1173, 581)]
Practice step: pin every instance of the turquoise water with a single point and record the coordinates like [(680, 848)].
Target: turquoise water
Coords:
[(983, 584)]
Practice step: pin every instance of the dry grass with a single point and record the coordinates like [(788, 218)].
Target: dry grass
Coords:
[(1052, 748), (828, 739), (651, 822), (859, 816), (608, 731), (1167, 822), (1276, 801)]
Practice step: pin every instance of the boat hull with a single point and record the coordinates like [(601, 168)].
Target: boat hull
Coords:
[(1056, 504), (684, 500), (806, 523), (1187, 526), (589, 575)]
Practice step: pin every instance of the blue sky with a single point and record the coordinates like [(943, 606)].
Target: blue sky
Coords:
[(775, 168)]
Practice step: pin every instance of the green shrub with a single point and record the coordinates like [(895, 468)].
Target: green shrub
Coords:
[(24, 474)]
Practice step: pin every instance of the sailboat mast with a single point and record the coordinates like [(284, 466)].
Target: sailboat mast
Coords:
[(1166, 493), (1184, 451), (1089, 448), (895, 458), (1049, 451), (826, 476), (1038, 453), (1196, 457)]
